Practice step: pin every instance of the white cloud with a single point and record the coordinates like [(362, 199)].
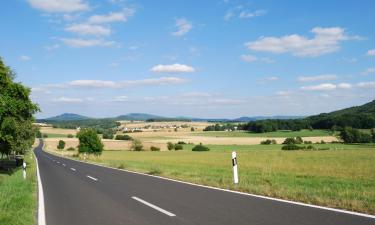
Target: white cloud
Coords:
[(82, 43), (325, 40), (68, 100), (122, 16), (369, 71), (323, 77), (173, 68), (122, 98), (327, 87), (245, 15), (320, 87), (24, 58), (249, 58), (344, 86), (89, 29), (371, 52), (369, 84), (118, 84), (59, 6), (183, 27)]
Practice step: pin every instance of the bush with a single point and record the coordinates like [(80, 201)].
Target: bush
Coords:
[(268, 142), (45, 135), (170, 146), (291, 147), (200, 148), (38, 134), (61, 145), (310, 147), (108, 135), (154, 149), (307, 142), (70, 136), (123, 137), (299, 140), (322, 142), (290, 141), (70, 149), (192, 129), (181, 143), (137, 145), (178, 147), (351, 135)]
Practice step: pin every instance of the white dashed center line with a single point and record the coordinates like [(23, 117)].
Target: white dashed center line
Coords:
[(92, 178), (153, 206), (73, 169)]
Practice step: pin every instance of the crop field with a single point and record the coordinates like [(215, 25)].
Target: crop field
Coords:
[(342, 177), (302, 133)]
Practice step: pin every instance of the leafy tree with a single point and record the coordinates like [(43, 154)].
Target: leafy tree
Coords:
[(89, 142), (123, 137), (290, 141), (137, 145), (192, 129), (17, 133), (61, 145), (70, 135), (153, 148), (170, 146), (200, 148), (178, 147), (352, 135)]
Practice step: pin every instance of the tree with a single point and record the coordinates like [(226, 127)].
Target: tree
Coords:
[(61, 145), (137, 145), (17, 133), (170, 146), (352, 135), (89, 142)]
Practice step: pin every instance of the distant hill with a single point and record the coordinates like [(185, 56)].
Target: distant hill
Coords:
[(67, 117), (358, 117), (138, 116)]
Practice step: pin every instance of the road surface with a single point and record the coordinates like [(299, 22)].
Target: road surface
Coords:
[(77, 193)]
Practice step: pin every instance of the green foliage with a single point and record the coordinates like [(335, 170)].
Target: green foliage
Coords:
[(192, 129), (38, 134), (170, 146), (89, 142), (290, 147), (220, 127), (45, 135), (137, 145), (108, 134), (70, 136), (70, 149), (123, 137), (268, 142), (352, 135), (200, 148), (178, 147), (16, 114), (154, 149), (61, 145), (181, 143)]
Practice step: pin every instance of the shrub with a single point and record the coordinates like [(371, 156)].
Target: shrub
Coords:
[(123, 137), (71, 149), (200, 148), (45, 135), (181, 143), (310, 147), (351, 135), (38, 134), (299, 140), (121, 166), (307, 142), (137, 145), (170, 146), (291, 147), (61, 145), (70, 136), (178, 147), (290, 141), (154, 149), (108, 135), (268, 142), (192, 129)]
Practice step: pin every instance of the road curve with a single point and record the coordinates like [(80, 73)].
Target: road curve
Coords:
[(78, 193)]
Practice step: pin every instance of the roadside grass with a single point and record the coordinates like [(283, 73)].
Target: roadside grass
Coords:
[(302, 133), (18, 197), (342, 178)]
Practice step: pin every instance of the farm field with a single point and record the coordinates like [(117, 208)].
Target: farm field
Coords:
[(341, 178), (302, 133)]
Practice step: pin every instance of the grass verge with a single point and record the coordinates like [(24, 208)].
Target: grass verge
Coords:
[(18, 197)]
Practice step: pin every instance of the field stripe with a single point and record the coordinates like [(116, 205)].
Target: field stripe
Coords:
[(153, 206)]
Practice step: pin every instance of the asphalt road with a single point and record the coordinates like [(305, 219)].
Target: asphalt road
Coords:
[(78, 193)]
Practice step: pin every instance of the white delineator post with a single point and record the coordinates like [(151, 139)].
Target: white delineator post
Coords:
[(235, 171), (24, 170)]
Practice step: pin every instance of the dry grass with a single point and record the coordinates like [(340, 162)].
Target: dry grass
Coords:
[(51, 130)]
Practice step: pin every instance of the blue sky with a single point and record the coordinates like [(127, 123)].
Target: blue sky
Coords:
[(222, 58)]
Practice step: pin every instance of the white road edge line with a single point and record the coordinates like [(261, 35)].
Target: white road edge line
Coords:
[(73, 169), (235, 192), (153, 206), (41, 210), (92, 178), (64, 164)]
